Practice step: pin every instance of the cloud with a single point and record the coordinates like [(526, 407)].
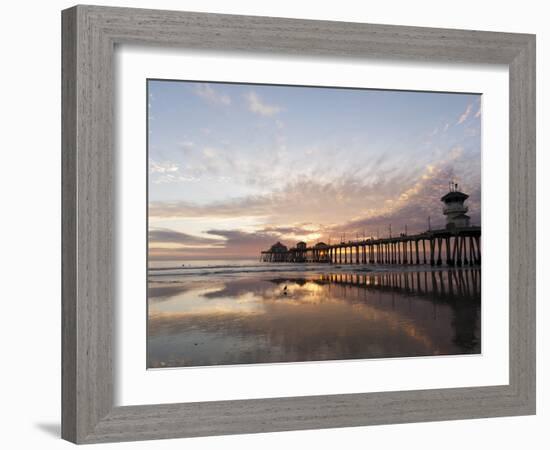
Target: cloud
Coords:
[(421, 200), (478, 113), (162, 167), (293, 197), (301, 229), (205, 91), (305, 200), (167, 244), (375, 211), (465, 114), (167, 178), (167, 236), (312, 208), (411, 208), (224, 244), (237, 238), (256, 166), (168, 172), (256, 105), (186, 144)]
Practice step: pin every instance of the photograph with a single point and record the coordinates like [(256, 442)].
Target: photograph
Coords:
[(297, 223)]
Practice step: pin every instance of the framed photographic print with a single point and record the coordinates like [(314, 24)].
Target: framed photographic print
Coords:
[(256, 209), (292, 224)]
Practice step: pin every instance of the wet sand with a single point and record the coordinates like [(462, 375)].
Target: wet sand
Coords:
[(291, 317)]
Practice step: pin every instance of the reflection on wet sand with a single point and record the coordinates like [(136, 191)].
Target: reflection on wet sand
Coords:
[(310, 317)]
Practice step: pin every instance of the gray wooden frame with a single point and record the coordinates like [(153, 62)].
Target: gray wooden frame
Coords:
[(89, 36)]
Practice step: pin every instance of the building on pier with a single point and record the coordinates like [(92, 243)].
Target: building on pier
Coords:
[(279, 252), (454, 208), (320, 252)]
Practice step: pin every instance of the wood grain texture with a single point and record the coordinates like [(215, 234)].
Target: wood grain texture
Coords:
[(68, 226), (88, 211), (89, 36)]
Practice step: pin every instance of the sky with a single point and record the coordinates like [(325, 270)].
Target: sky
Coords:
[(234, 168)]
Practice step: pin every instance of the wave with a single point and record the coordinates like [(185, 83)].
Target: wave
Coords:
[(248, 269), (220, 266)]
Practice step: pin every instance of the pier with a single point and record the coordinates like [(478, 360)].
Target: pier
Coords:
[(454, 248), (458, 244)]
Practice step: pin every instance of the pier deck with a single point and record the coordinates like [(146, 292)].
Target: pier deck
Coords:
[(455, 247)]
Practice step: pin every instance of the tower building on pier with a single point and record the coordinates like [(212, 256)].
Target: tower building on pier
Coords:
[(454, 208)]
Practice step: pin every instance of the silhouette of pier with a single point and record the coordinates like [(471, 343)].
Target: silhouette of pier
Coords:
[(455, 248), (458, 244)]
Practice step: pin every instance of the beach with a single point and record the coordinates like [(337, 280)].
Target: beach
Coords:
[(226, 312)]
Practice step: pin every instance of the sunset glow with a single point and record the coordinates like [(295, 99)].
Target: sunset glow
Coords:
[(234, 168)]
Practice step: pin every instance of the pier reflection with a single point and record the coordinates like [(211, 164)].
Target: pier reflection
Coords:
[(441, 285), (327, 316), (459, 289)]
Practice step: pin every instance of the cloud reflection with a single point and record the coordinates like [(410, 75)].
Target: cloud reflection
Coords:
[(316, 318)]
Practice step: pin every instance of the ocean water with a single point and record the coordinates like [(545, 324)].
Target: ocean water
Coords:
[(224, 267), (225, 312)]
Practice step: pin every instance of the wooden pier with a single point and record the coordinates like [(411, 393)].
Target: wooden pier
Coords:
[(454, 247)]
